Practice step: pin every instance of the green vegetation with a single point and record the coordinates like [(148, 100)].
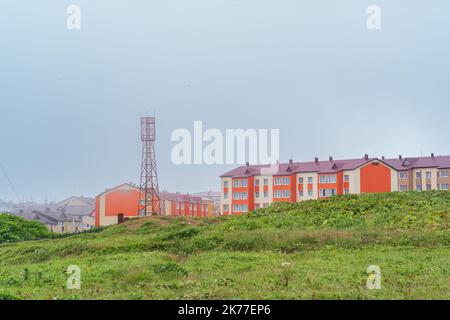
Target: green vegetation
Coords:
[(310, 250), (13, 228)]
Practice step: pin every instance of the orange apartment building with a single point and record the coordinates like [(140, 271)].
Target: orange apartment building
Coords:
[(122, 202), (250, 187)]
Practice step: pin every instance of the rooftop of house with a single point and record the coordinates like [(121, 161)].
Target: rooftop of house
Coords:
[(332, 166), (77, 201), (46, 217)]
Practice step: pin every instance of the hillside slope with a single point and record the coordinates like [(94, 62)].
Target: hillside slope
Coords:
[(309, 250)]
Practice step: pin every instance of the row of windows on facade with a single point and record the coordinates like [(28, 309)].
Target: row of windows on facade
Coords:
[(181, 207), (280, 181), (442, 186), (243, 207), (428, 174), (284, 181), (282, 194)]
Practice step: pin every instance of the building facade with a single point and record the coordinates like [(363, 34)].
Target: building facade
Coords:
[(122, 202), (251, 187)]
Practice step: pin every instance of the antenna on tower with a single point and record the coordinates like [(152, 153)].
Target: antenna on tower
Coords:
[(149, 195)]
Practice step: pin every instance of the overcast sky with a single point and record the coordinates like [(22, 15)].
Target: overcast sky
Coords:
[(70, 100)]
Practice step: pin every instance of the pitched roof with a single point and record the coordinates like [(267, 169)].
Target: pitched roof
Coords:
[(331, 166), (84, 200), (440, 162)]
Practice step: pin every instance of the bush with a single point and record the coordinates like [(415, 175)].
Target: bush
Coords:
[(13, 229)]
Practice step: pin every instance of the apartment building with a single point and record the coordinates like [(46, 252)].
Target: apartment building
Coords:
[(120, 203), (250, 187)]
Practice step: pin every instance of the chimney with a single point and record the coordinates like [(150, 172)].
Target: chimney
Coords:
[(331, 158), (432, 155), (383, 158), (247, 163), (316, 160), (290, 161), (400, 157), (366, 156)]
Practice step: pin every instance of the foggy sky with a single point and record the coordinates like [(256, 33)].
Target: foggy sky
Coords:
[(70, 101)]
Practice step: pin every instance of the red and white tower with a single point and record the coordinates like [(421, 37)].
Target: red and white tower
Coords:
[(149, 196)]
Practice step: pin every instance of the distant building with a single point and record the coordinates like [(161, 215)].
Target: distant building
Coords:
[(122, 202), (214, 197), (57, 222), (62, 217)]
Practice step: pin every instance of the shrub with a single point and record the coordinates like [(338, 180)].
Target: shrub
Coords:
[(13, 229)]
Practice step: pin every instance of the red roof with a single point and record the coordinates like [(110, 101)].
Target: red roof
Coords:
[(332, 166)]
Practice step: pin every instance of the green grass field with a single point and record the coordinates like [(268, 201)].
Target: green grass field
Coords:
[(311, 250)]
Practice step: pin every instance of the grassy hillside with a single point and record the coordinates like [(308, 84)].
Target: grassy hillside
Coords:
[(310, 250), (13, 228)]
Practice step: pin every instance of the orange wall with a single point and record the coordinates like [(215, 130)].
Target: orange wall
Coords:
[(291, 187), (338, 185), (250, 189), (375, 178), (122, 201)]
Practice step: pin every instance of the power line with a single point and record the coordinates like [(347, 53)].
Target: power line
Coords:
[(9, 181)]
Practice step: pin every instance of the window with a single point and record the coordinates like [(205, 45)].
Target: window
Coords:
[(419, 187), (403, 187), (282, 194), (266, 194), (327, 179), (256, 194), (300, 193), (428, 187), (240, 183), (310, 180), (240, 208), (403, 175), (266, 182), (256, 182), (240, 195), (310, 192), (142, 202), (257, 206), (282, 181), (327, 192), (419, 175), (347, 191), (300, 180), (265, 205), (443, 173), (444, 186), (225, 184), (346, 178), (225, 208), (225, 195), (428, 174)]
